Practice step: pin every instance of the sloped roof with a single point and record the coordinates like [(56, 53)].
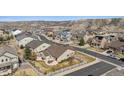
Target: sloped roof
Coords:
[(23, 35), (116, 44), (55, 50), (34, 44), (8, 49)]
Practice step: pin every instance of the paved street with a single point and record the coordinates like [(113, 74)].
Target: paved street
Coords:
[(95, 70), (97, 55)]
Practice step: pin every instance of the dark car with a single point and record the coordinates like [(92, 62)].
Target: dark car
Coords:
[(121, 59), (90, 75)]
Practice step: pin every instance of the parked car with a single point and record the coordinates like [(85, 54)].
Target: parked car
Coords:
[(121, 59)]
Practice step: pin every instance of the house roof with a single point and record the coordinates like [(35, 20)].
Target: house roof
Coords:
[(23, 35), (116, 44), (34, 44), (8, 49), (55, 50)]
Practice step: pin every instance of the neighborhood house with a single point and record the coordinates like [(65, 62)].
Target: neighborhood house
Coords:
[(55, 54), (16, 32), (24, 38), (101, 41), (37, 46), (8, 60)]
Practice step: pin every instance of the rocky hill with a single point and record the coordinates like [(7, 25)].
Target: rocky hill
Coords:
[(75, 25)]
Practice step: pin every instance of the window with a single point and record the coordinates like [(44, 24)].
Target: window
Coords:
[(6, 59), (2, 60)]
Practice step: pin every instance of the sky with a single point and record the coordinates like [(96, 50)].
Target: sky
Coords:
[(52, 18)]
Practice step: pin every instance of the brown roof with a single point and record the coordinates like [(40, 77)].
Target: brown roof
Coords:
[(34, 44), (116, 44), (55, 50)]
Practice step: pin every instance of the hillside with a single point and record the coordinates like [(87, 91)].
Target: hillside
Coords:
[(75, 25)]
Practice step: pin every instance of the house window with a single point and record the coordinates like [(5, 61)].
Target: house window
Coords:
[(2, 60), (6, 59)]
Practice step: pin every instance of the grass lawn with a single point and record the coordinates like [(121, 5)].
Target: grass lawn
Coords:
[(96, 49), (84, 57), (46, 68), (119, 54), (25, 72)]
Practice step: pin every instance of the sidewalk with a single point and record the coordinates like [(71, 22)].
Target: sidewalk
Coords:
[(77, 68)]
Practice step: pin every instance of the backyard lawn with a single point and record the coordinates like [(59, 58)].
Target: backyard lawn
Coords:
[(46, 68), (25, 72)]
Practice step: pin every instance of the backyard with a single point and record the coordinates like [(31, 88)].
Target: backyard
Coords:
[(78, 58), (40, 65), (25, 72)]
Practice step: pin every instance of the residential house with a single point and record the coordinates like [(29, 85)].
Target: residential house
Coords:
[(64, 36), (8, 60), (24, 38), (37, 46), (55, 54), (117, 46), (88, 36), (101, 41), (16, 32)]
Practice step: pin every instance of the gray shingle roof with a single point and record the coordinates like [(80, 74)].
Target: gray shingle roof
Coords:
[(55, 50), (23, 35), (8, 49), (34, 44)]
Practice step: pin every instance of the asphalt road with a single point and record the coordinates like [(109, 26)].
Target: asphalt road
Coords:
[(97, 55), (93, 70)]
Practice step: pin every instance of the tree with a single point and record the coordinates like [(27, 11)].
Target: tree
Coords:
[(33, 56), (81, 43), (27, 54), (21, 47)]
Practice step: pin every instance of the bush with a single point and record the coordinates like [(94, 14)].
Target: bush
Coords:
[(27, 53), (21, 47), (81, 43)]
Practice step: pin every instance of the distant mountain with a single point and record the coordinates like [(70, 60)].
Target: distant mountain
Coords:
[(75, 25)]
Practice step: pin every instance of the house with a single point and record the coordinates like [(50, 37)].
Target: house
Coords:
[(88, 36), (64, 36), (37, 46), (24, 38), (16, 32), (101, 41), (56, 53), (117, 46), (8, 60)]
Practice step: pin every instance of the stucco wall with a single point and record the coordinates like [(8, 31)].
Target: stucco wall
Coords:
[(68, 53)]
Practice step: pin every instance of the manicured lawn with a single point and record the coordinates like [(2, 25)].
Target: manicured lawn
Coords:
[(84, 57), (46, 68), (25, 72)]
